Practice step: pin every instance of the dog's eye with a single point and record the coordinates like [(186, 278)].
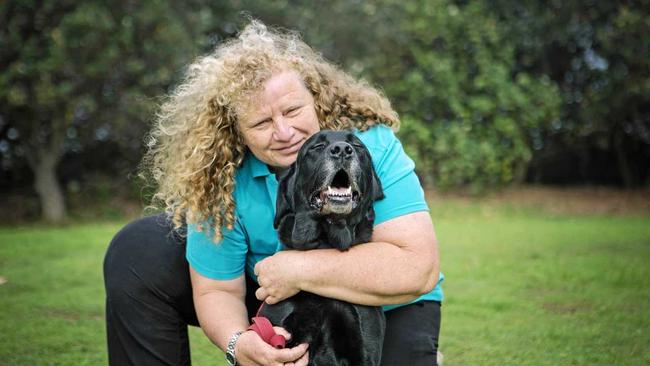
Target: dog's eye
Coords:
[(319, 146)]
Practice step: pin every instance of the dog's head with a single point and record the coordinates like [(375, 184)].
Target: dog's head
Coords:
[(332, 179)]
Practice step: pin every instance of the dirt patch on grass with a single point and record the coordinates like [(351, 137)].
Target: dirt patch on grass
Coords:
[(560, 200), (566, 308), (71, 316)]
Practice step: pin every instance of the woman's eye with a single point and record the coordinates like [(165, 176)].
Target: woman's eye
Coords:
[(292, 112), (262, 124)]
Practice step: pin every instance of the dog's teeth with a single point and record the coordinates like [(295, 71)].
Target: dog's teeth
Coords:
[(338, 192)]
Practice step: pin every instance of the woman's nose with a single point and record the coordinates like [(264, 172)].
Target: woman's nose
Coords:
[(283, 130)]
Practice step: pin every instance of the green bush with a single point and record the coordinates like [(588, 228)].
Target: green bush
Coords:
[(470, 116)]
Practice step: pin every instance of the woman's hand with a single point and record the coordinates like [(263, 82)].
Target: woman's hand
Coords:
[(251, 350), (279, 276)]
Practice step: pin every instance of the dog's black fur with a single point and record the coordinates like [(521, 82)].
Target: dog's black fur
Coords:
[(325, 201)]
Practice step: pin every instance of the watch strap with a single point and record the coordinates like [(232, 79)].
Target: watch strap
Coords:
[(230, 350)]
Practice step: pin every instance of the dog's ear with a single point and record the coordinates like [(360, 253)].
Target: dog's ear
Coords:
[(306, 231), (284, 204), (375, 184), (377, 192), (296, 230), (299, 231)]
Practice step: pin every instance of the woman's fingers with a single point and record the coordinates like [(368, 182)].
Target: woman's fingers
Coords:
[(252, 350), (292, 354), (303, 361), (271, 300), (261, 294), (283, 332)]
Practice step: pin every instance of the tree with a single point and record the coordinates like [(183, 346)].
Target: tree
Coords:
[(75, 72), (470, 118), (597, 52)]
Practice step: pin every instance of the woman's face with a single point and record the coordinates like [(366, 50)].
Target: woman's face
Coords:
[(279, 119)]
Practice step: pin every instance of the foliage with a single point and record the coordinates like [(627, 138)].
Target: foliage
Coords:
[(77, 74), (75, 64), (597, 52), (487, 90), (469, 116)]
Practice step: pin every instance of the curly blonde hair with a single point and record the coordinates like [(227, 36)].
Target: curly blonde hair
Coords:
[(195, 148)]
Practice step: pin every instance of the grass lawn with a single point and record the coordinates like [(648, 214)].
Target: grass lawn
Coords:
[(523, 287)]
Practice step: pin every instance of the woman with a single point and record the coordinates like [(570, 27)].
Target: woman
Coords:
[(240, 116)]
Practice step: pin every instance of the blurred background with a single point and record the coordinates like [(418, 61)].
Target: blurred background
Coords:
[(529, 122), (491, 93)]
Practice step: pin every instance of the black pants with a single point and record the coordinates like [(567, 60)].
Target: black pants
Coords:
[(149, 304)]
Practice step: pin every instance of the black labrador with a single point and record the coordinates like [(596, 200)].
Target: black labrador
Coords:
[(325, 201)]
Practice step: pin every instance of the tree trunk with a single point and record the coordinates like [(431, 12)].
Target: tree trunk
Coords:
[(48, 188), (624, 168), (519, 172)]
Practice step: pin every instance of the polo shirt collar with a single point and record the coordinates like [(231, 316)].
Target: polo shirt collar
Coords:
[(258, 168)]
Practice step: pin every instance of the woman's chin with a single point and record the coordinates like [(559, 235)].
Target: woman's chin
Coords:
[(282, 164), (286, 161)]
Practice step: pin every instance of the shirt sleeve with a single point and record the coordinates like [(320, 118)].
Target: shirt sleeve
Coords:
[(223, 260), (396, 170)]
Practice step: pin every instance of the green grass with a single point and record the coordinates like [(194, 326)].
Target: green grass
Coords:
[(52, 305), (525, 288), (522, 288)]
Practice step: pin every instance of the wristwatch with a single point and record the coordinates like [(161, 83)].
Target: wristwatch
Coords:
[(230, 350)]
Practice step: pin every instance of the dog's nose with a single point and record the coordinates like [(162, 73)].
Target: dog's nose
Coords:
[(341, 149)]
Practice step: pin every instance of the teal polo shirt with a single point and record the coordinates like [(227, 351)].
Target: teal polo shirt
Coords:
[(253, 237)]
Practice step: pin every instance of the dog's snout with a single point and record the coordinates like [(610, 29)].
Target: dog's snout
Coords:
[(341, 150)]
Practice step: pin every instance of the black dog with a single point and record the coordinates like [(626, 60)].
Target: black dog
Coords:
[(325, 201)]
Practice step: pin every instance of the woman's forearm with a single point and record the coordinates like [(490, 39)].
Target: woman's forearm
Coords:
[(219, 306), (210, 310), (400, 264), (372, 274), (221, 310)]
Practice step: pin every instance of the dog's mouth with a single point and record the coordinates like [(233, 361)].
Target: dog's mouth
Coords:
[(340, 196)]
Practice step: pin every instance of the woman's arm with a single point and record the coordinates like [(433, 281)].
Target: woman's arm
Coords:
[(400, 264), (221, 310), (213, 298)]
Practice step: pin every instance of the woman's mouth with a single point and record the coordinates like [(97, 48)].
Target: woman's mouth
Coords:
[(290, 149)]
